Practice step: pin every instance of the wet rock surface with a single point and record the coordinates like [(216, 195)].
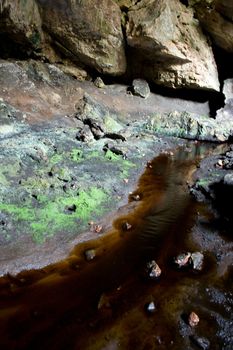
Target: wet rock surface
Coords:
[(77, 238), (64, 160), (106, 301)]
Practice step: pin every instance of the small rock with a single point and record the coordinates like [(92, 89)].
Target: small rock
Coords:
[(228, 179), (126, 180), (136, 197), (153, 270), (90, 254), (219, 163), (99, 83), (193, 319), (141, 88), (197, 259), (182, 259), (149, 165), (103, 302), (98, 228), (126, 226), (150, 307), (85, 134), (72, 208), (200, 342)]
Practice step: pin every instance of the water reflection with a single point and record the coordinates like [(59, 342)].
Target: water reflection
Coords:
[(100, 304)]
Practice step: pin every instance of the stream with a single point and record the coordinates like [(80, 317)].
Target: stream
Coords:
[(101, 297)]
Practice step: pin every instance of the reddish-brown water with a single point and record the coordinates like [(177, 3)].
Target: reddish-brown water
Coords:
[(101, 303)]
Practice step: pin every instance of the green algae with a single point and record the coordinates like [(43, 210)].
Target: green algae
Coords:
[(56, 158), (76, 155), (53, 216), (124, 164)]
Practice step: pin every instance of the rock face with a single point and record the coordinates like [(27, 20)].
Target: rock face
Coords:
[(20, 23), (87, 31), (170, 41), (226, 113), (216, 24), (225, 7), (192, 126)]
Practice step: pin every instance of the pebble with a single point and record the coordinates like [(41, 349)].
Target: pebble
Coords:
[(193, 319), (98, 228), (126, 226), (149, 165), (182, 259), (197, 259), (153, 270), (150, 307), (136, 197), (90, 254)]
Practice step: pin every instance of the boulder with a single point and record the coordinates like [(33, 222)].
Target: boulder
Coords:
[(170, 45), (87, 31), (20, 27), (141, 88)]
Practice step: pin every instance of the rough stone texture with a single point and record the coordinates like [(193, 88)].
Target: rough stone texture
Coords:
[(225, 7), (216, 24), (87, 31), (228, 179), (20, 23), (125, 4), (192, 126), (228, 89), (174, 50), (141, 88)]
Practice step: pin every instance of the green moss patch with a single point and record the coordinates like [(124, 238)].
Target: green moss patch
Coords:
[(55, 216)]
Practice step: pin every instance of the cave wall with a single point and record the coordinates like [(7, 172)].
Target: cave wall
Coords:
[(169, 43)]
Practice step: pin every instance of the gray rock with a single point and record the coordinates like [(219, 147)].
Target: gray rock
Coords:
[(228, 179), (141, 88), (200, 342), (197, 259)]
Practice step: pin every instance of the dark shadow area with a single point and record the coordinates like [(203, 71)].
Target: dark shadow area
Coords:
[(222, 202), (224, 61)]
